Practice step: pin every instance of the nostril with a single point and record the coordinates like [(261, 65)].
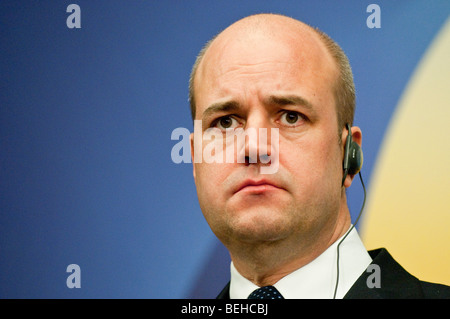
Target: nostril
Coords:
[(265, 158)]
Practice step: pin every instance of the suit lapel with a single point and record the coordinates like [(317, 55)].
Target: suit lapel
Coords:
[(225, 293)]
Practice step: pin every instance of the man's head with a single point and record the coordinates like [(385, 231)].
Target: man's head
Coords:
[(271, 71)]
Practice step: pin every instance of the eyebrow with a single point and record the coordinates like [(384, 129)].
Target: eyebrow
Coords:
[(225, 106), (289, 99), (275, 99)]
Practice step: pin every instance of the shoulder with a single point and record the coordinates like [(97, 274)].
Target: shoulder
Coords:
[(435, 291), (394, 282)]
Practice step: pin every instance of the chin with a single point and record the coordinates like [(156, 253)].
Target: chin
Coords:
[(260, 224)]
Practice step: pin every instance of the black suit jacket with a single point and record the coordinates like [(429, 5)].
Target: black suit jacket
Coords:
[(396, 283)]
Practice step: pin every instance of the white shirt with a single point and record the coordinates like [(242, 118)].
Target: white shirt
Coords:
[(317, 279)]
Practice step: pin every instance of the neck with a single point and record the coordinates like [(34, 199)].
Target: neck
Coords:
[(266, 263)]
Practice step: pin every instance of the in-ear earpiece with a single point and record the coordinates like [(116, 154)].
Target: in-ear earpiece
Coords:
[(353, 156)]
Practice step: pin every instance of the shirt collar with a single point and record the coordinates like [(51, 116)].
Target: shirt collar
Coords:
[(317, 279)]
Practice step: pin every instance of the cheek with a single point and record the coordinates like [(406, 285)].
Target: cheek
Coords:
[(209, 180), (206, 175), (314, 167)]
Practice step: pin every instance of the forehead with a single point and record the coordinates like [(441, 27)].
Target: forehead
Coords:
[(278, 56)]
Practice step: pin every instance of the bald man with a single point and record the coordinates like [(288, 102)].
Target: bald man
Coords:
[(285, 230)]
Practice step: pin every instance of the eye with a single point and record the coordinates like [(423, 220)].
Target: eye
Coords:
[(291, 118), (226, 122)]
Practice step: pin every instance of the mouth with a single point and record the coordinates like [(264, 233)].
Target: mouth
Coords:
[(257, 187)]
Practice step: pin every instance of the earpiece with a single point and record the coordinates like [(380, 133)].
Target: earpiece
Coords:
[(353, 156)]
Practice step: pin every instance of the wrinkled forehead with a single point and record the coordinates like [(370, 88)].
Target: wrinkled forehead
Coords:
[(292, 45)]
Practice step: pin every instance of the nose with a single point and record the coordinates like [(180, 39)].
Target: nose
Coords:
[(257, 145), (258, 140)]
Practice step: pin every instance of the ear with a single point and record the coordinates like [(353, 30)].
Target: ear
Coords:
[(357, 135), (357, 138), (191, 138)]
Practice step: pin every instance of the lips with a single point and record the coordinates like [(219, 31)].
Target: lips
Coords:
[(257, 186)]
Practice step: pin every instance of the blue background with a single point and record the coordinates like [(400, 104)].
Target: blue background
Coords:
[(86, 117)]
